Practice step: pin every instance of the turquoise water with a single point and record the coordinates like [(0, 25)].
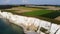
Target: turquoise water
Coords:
[(8, 28)]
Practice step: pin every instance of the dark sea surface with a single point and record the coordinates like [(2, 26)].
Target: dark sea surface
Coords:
[(9, 28)]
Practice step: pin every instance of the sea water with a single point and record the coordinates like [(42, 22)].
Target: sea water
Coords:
[(8, 28)]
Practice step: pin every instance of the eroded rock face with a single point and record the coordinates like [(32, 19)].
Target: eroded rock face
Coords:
[(32, 24)]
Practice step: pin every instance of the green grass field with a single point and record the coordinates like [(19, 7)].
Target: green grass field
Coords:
[(52, 15), (37, 12)]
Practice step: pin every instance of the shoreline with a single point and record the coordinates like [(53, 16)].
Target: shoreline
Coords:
[(12, 25), (28, 21)]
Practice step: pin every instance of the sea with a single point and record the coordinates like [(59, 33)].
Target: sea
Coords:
[(9, 28)]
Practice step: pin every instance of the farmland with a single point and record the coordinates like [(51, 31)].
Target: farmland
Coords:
[(39, 12)]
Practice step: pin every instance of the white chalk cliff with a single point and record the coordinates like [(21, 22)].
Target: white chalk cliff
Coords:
[(32, 23)]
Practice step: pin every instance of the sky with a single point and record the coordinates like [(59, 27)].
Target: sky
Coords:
[(54, 2)]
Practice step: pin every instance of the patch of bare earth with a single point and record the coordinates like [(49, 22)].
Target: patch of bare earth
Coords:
[(57, 18), (53, 8), (22, 9)]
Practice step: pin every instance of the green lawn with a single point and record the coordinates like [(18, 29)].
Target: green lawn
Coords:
[(52, 15), (37, 12)]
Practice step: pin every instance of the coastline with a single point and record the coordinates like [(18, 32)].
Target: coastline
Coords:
[(16, 19), (12, 26)]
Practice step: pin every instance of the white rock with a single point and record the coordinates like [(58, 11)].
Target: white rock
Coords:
[(58, 32), (54, 27), (45, 24)]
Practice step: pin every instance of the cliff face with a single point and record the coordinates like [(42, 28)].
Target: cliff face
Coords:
[(32, 24)]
